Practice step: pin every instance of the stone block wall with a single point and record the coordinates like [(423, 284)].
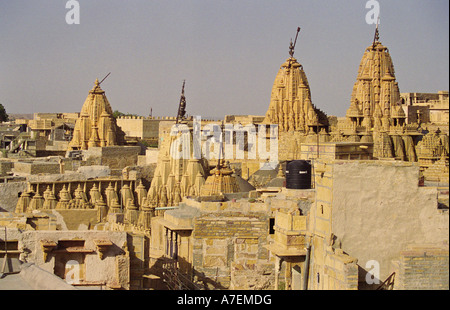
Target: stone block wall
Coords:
[(5, 167), (9, 193), (108, 271), (36, 167), (437, 172), (378, 209), (228, 247), (422, 269), (320, 215), (331, 268), (337, 150), (116, 157), (340, 271), (248, 270), (143, 128)]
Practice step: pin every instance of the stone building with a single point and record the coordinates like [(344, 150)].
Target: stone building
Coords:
[(426, 108), (96, 127), (84, 259), (290, 102), (216, 245), (374, 210), (291, 108), (363, 224), (375, 113), (103, 224), (145, 129), (178, 172), (375, 97), (47, 134), (379, 114), (362, 215)]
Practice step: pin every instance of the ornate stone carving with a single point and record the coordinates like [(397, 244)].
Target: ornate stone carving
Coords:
[(96, 126), (290, 102)]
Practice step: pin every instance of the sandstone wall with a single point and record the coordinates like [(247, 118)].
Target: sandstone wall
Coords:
[(116, 157), (231, 243), (105, 270), (422, 268), (378, 210), (9, 195)]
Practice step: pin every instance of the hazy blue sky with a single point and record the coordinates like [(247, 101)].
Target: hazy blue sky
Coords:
[(228, 51)]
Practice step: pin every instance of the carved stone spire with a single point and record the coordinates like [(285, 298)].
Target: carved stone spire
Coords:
[(96, 126), (182, 106), (375, 93), (290, 102)]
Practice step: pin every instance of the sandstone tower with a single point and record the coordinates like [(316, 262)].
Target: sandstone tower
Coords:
[(375, 101), (96, 126), (177, 174), (290, 103), (375, 113)]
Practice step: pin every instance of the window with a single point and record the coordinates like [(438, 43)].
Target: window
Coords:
[(271, 226), (171, 243)]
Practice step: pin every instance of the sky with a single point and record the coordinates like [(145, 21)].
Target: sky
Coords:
[(228, 51)]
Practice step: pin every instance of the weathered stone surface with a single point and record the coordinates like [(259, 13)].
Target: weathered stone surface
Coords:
[(96, 127), (378, 209)]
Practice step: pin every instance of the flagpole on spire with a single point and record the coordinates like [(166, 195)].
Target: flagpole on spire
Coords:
[(182, 105), (104, 78), (292, 46)]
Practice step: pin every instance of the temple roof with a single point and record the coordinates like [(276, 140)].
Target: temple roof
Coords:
[(96, 126), (97, 89), (375, 92), (290, 103)]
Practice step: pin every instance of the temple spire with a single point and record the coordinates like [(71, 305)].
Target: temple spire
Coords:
[(182, 106), (96, 126), (290, 102), (376, 37)]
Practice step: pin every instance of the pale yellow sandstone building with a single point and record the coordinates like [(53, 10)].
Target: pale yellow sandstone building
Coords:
[(291, 108), (427, 108), (96, 127), (189, 226)]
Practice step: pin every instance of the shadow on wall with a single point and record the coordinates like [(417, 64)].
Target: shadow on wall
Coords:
[(367, 280)]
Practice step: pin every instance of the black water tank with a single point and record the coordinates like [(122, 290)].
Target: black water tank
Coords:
[(298, 174)]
